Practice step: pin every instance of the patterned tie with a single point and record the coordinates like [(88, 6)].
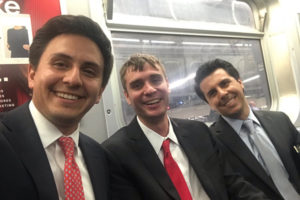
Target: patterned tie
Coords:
[(72, 177), (274, 166), (175, 173)]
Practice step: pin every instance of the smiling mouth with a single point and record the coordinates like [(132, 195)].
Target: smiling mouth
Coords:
[(227, 100), (152, 102), (67, 96)]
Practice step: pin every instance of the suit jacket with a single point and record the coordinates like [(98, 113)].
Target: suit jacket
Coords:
[(2, 115), (137, 172), (25, 172), (283, 135)]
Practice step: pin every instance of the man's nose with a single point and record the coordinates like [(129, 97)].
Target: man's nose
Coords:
[(149, 89), (222, 92), (73, 76)]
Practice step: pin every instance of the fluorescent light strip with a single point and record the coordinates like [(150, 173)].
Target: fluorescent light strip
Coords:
[(238, 45), (215, 44), (162, 42), (125, 40), (251, 78), (182, 81), (206, 43)]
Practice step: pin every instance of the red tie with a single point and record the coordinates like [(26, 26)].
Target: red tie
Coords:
[(175, 173), (72, 177)]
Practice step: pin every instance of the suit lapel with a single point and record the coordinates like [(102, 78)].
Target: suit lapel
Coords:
[(195, 157), (270, 128), (144, 150), (95, 166), (234, 143), (274, 133), (27, 144)]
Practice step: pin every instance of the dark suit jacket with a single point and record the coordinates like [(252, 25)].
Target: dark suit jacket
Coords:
[(25, 172), (281, 132), (137, 172), (2, 115)]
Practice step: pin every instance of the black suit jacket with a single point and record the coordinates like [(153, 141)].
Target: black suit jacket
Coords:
[(283, 135), (137, 172), (2, 115), (25, 172)]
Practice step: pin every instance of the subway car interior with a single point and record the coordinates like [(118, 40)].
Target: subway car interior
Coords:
[(260, 38)]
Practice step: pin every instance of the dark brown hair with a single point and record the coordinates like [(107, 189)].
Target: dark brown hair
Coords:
[(70, 24)]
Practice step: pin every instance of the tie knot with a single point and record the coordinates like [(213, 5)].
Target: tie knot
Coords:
[(67, 145), (166, 145), (248, 124)]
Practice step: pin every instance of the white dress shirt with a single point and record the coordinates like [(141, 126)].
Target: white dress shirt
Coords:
[(179, 156), (49, 135)]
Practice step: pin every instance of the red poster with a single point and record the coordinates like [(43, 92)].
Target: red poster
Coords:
[(19, 20)]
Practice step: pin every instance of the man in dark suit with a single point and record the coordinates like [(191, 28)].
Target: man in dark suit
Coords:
[(70, 64), (1, 115), (218, 83), (139, 153)]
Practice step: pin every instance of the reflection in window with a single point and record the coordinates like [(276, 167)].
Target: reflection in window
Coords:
[(160, 11), (182, 55)]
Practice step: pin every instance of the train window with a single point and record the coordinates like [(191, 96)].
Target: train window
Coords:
[(178, 12), (182, 55)]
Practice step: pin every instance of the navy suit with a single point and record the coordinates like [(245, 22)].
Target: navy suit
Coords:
[(25, 172), (283, 135), (137, 172)]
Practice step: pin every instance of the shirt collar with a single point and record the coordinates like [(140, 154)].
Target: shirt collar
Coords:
[(253, 117), (154, 138), (236, 124), (46, 130)]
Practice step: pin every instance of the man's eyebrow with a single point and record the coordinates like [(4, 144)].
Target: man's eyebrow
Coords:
[(61, 55), (226, 80), (135, 81), (155, 75), (65, 56), (91, 63)]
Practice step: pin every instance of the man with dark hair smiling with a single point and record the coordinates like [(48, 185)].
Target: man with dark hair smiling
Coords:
[(257, 144), (160, 158), (43, 155)]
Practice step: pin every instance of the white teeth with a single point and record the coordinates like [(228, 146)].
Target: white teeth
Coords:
[(153, 101), (67, 96)]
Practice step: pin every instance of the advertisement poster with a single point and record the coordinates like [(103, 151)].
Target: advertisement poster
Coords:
[(19, 20)]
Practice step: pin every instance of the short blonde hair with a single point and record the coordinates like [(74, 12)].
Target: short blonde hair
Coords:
[(136, 62)]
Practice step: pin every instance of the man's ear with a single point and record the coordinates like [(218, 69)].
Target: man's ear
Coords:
[(31, 75), (99, 95), (127, 97), (241, 82), (169, 90)]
